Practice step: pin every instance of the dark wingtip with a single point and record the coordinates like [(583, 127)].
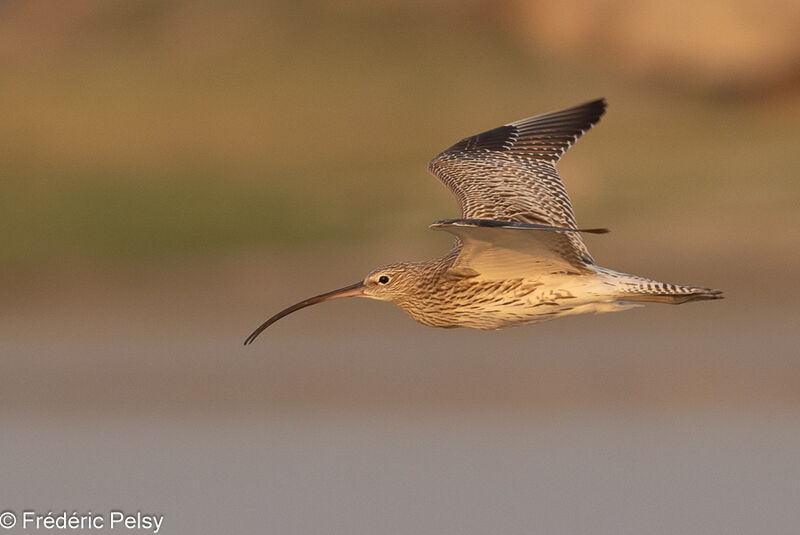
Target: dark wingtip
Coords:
[(595, 108), (599, 102)]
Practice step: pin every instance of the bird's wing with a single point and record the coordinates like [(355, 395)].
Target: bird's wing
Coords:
[(503, 250), (509, 174)]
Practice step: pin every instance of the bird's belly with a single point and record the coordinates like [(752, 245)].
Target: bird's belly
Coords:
[(521, 304)]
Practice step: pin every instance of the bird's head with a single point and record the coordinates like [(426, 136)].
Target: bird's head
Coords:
[(393, 283), (390, 283)]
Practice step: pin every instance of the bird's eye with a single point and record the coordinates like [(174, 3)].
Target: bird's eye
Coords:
[(383, 279)]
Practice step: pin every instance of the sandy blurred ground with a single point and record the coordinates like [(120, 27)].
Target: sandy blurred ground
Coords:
[(176, 172)]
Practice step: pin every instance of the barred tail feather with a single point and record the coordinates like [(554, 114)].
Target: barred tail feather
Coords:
[(661, 292)]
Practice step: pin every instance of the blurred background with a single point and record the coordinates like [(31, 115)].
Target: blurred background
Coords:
[(174, 172)]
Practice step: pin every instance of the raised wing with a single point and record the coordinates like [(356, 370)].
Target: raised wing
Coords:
[(508, 250), (509, 174)]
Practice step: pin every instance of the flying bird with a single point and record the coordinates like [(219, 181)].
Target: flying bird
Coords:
[(518, 256)]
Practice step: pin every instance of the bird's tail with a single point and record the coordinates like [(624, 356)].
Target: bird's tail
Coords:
[(630, 288), (672, 294), (662, 292)]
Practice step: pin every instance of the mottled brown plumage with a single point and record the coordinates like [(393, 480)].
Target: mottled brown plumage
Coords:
[(518, 257)]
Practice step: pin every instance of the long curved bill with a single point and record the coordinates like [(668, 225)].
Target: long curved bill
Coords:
[(348, 291)]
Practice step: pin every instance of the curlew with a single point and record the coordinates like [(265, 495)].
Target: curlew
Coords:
[(518, 257)]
